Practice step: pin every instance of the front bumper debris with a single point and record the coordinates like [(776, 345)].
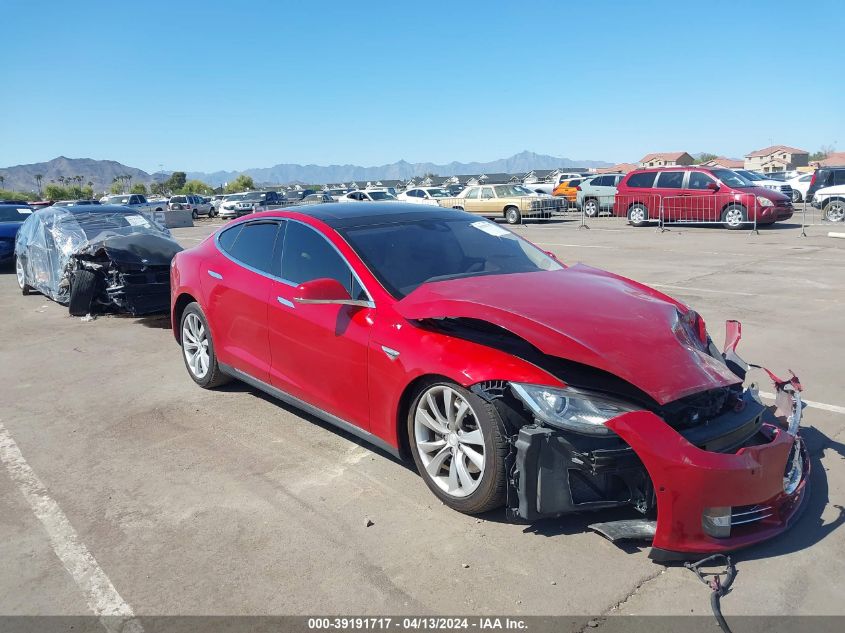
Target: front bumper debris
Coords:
[(730, 482)]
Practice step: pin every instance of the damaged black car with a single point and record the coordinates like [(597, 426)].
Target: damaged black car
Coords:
[(96, 258)]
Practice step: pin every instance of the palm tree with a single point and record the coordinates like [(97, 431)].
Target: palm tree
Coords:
[(38, 178), (2, 181)]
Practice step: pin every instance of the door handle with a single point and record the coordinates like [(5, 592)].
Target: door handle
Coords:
[(285, 302), (214, 274)]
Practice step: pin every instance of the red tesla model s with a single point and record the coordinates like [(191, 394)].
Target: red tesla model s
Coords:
[(509, 378)]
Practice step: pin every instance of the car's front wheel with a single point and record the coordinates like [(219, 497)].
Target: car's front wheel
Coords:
[(734, 217), (834, 211), (796, 195), (459, 445), (194, 214), (198, 349)]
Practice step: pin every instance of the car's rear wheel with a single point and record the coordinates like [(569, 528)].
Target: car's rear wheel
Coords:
[(512, 215), (834, 211), (638, 214), (734, 217), (198, 349), (459, 445), (591, 208), (20, 273)]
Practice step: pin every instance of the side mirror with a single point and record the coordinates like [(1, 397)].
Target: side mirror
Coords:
[(325, 291), (712, 186)]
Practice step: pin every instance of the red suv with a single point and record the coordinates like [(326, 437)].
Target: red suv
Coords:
[(697, 194)]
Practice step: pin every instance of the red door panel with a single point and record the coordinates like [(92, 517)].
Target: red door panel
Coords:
[(320, 353), (236, 303)]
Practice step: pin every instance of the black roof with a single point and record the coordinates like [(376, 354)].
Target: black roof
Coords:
[(340, 215)]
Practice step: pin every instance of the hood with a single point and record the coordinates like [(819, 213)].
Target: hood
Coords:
[(139, 249), (9, 229), (585, 315), (772, 194)]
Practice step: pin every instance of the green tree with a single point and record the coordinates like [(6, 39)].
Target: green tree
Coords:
[(158, 188), (824, 152), (116, 186), (139, 188), (704, 157), (15, 195), (38, 179), (196, 186), (176, 181), (241, 183)]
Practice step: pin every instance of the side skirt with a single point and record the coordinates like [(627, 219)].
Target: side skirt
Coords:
[(309, 408)]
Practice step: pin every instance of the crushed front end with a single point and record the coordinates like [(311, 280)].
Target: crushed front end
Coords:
[(710, 472)]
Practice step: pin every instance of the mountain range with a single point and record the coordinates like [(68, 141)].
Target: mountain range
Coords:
[(102, 172)]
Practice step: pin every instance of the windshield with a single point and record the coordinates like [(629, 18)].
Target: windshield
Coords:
[(732, 178), (749, 175), (236, 197), (93, 223), (380, 195), (14, 214), (405, 255), (438, 193), (118, 200), (505, 191)]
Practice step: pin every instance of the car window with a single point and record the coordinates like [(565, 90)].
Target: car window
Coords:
[(806, 178), (473, 193), (699, 180), (641, 180), (487, 193), (670, 180), (838, 177), (228, 237), (307, 255), (601, 181), (254, 246)]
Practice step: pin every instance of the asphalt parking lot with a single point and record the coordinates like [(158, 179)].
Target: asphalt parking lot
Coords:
[(226, 502)]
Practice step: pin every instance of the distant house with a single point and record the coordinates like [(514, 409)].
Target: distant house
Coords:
[(777, 158), (619, 168), (834, 159), (497, 179), (540, 175), (666, 159), (725, 163)]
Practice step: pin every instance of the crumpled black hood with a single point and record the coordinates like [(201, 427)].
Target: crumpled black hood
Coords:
[(139, 249)]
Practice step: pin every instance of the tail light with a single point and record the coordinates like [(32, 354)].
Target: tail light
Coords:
[(578, 188), (813, 179)]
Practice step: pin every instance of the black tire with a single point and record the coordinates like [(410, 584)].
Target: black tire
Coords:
[(491, 491), (591, 207), (212, 213), (731, 211), (214, 377), (834, 210), (194, 214), (25, 288), (458, 208), (513, 215), (83, 287), (796, 195), (638, 214)]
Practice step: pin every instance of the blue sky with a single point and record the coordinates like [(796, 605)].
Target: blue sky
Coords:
[(206, 85)]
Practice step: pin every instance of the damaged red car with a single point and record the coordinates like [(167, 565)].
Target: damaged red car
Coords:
[(510, 379)]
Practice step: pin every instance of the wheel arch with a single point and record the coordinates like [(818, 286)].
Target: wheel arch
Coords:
[(182, 302)]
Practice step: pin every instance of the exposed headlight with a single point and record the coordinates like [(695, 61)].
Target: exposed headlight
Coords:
[(571, 409), (765, 202)]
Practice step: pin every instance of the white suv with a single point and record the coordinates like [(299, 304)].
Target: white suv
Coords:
[(196, 205)]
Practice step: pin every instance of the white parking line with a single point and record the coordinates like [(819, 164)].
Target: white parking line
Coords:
[(835, 408), (100, 594)]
